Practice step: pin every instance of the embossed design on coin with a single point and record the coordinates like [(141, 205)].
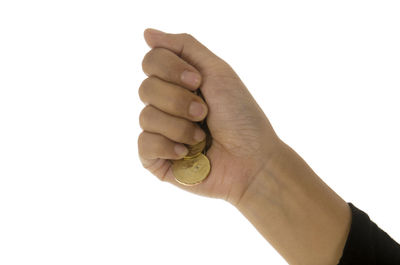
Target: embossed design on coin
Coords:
[(195, 149), (191, 171)]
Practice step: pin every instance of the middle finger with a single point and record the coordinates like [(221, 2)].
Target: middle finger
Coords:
[(172, 99)]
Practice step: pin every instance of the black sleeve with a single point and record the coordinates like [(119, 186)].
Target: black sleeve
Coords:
[(367, 244)]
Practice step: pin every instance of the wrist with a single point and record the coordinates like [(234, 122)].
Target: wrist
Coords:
[(295, 211), (258, 167), (266, 179)]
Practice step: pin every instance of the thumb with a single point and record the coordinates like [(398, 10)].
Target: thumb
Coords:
[(185, 46)]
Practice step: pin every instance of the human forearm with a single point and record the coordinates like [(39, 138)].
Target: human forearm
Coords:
[(296, 212), (287, 202)]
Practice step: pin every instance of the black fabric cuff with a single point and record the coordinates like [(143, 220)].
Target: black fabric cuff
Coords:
[(367, 244)]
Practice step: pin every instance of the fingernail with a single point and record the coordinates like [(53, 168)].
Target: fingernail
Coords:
[(196, 109), (180, 149), (190, 78), (199, 135)]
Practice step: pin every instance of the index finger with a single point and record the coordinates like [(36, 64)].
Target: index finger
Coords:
[(170, 67)]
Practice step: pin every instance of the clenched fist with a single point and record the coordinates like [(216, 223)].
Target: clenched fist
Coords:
[(243, 139)]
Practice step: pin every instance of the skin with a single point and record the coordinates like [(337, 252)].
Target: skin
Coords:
[(251, 167)]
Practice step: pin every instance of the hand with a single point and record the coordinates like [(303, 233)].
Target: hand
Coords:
[(243, 139)]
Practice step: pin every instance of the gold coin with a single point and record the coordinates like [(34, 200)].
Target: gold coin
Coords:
[(195, 149), (191, 171)]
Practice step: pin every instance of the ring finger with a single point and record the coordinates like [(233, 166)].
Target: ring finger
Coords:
[(177, 129)]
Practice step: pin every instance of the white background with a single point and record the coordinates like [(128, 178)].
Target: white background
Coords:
[(72, 189)]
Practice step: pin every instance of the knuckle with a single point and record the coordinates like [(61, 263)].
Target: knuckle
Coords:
[(146, 141), (187, 36), (142, 92), (157, 146), (142, 137), (140, 142), (144, 88), (147, 59), (151, 58), (144, 116)]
